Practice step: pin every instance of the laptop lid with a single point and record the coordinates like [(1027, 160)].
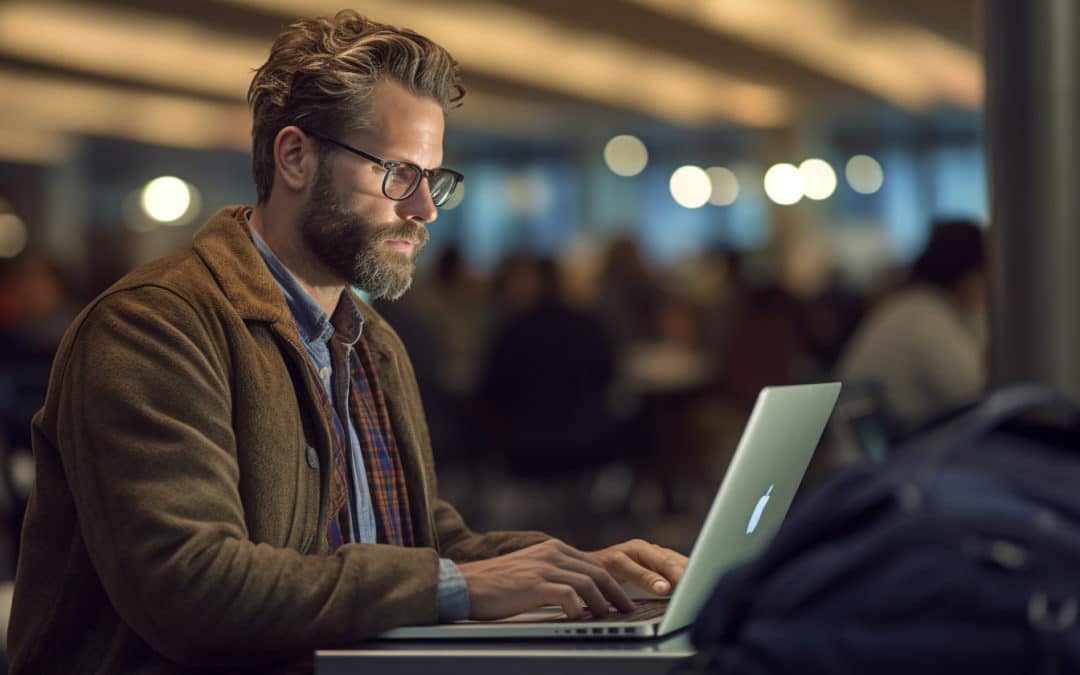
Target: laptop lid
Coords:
[(765, 473)]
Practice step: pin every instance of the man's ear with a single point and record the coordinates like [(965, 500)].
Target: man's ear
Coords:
[(295, 160)]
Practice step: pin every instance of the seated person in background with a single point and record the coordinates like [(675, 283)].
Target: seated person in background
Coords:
[(233, 467), (925, 346), (546, 385)]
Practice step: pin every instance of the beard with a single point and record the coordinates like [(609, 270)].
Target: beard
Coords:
[(350, 245)]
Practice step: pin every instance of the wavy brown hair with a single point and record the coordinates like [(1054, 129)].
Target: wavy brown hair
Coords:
[(322, 73)]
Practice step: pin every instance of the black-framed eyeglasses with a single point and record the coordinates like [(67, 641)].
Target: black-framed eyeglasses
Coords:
[(402, 178)]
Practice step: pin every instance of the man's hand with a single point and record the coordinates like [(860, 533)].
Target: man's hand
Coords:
[(650, 567), (549, 573)]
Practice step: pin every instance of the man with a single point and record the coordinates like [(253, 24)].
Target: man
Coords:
[(233, 467)]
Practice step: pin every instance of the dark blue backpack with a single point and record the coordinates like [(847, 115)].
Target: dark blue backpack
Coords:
[(961, 554)]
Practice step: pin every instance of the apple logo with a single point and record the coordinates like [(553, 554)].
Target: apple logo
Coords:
[(758, 510)]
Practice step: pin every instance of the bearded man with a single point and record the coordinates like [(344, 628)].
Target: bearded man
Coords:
[(233, 467)]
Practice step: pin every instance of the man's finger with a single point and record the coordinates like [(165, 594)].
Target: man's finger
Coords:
[(553, 593), (663, 560), (593, 568), (603, 580), (658, 569), (647, 578), (671, 564), (585, 588)]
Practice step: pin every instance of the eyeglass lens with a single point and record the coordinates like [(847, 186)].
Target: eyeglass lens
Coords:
[(402, 179), (442, 186)]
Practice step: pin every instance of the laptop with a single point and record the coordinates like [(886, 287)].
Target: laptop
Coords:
[(765, 472)]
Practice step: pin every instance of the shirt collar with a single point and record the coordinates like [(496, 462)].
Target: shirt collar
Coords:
[(312, 323)]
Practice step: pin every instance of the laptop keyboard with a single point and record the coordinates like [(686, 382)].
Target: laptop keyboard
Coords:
[(643, 611)]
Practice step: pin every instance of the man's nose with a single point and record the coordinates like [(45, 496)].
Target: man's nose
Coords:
[(419, 207)]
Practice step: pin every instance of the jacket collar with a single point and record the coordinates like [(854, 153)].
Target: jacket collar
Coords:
[(225, 246), (227, 249)]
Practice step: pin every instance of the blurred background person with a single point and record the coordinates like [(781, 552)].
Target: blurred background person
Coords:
[(925, 347), (546, 382), (629, 298), (544, 397)]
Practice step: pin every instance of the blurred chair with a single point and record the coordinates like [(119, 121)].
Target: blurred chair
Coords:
[(860, 429)]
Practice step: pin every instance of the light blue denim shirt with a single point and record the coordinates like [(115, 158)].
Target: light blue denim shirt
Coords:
[(315, 331)]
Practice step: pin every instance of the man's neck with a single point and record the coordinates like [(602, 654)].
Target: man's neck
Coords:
[(282, 235)]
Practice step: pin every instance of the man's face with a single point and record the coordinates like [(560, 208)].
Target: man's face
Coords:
[(363, 237)]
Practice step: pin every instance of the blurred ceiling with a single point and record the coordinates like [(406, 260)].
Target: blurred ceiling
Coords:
[(176, 72)]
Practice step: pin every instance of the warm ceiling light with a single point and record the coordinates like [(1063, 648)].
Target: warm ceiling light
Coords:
[(784, 184), (524, 47), (901, 63), (690, 186), (626, 155), (27, 145), (73, 106), (130, 45), (864, 174), (819, 179), (725, 185)]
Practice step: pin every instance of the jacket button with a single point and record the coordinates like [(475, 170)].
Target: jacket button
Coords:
[(312, 458)]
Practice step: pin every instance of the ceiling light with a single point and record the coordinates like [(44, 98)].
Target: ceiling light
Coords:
[(864, 174), (819, 179), (13, 235), (784, 184), (690, 186), (626, 155), (725, 185), (523, 46), (168, 200)]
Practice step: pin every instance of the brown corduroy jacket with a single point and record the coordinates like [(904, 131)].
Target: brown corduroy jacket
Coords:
[(178, 516)]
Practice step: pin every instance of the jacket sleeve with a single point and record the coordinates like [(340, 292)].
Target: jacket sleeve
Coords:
[(144, 427), (460, 544)]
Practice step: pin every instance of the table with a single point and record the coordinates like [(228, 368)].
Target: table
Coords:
[(520, 657)]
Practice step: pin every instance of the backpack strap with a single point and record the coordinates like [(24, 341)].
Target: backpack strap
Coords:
[(996, 409), (1007, 404)]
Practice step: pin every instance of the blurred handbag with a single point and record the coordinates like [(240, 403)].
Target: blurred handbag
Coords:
[(961, 554)]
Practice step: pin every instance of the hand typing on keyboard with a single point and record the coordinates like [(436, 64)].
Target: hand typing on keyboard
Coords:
[(550, 573), (554, 573), (652, 568)]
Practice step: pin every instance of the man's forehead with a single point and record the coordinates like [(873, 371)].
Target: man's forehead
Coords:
[(392, 100), (406, 123)]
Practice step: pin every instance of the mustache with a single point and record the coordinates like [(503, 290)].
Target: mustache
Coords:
[(404, 230)]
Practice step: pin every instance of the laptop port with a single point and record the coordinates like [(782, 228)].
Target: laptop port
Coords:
[(613, 630), (628, 630), (598, 631), (582, 631)]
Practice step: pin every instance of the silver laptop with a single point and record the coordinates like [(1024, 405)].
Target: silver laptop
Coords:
[(765, 471)]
